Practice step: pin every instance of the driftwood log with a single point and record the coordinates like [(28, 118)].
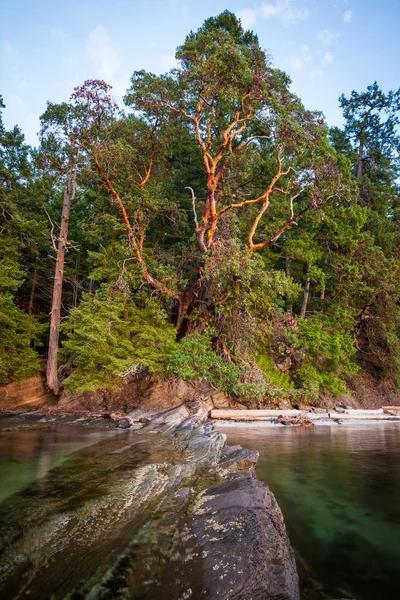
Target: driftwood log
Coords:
[(304, 417)]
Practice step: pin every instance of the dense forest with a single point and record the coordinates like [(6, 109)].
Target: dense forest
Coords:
[(213, 227)]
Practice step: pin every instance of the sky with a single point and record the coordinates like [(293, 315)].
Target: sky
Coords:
[(328, 47)]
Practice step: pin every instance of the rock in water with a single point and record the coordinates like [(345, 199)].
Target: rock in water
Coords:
[(226, 540), (240, 544), (166, 513)]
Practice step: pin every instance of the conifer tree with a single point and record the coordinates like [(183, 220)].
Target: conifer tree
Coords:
[(17, 329), (111, 339)]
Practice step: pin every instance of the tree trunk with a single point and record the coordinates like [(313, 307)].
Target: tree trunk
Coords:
[(69, 193), (74, 294), (187, 302), (360, 156), (306, 293), (289, 298), (32, 294)]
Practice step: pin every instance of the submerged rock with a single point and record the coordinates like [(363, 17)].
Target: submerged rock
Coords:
[(164, 512), (225, 534)]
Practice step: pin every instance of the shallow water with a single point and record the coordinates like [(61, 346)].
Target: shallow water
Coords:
[(339, 490), (72, 501), (29, 453)]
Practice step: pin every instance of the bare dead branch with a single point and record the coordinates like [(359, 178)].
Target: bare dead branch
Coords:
[(52, 236), (251, 139), (291, 203), (196, 222), (274, 239)]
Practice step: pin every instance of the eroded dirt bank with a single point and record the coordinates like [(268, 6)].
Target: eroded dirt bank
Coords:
[(151, 394), (183, 517)]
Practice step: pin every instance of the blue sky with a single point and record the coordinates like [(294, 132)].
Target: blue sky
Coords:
[(328, 47)]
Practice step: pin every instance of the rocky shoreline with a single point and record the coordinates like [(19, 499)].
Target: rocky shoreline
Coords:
[(196, 523)]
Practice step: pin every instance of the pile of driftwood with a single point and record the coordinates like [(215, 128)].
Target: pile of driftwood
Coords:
[(300, 419)]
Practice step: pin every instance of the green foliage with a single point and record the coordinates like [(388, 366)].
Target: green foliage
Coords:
[(194, 357), (314, 381), (326, 353), (21, 229), (245, 294), (109, 338), (17, 359), (253, 382), (392, 361), (272, 374)]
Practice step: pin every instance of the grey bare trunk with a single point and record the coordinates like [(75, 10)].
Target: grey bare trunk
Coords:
[(69, 194), (306, 293)]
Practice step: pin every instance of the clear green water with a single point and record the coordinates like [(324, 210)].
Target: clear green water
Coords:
[(29, 454), (65, 519), (72, 502), (339, 490)]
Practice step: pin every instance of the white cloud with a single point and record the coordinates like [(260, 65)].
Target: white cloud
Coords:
[(8, 57), (328, 58), (168, 62), (347, 16), (306, 52), (103, 52), (248, 17), (316, 73), (326, 37), (295, 63), (272, 10), (287, 13), (295, 15)]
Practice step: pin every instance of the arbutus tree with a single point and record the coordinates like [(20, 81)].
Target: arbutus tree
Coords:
[(63, 128), (236, 105), (120, 152)]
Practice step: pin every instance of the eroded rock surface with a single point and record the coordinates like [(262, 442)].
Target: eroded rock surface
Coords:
[(166, 512), (239, 544)]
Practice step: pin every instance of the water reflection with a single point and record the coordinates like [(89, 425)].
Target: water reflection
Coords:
[(28, 455), (83, 496), (339, 490)]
